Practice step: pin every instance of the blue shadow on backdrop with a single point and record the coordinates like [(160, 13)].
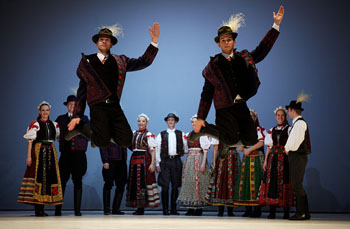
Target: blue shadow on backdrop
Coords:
[(41, 46)]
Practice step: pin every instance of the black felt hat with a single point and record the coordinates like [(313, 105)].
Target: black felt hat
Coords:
[(105, 32), (171, 115), (70, 98), (294, 105), (223, 30)]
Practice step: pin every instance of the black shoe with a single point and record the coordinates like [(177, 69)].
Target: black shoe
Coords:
[(106, 201), (174, 195), (257, 212), (165, 202), (272, 214), (117, 212), (82, 128), (230, 211), (58, 210), (209, 130), (166, 212), (300, 216), (190, 212), (198, 212), (221, 211), (77, 201), (139, 211), (39, 210), (174, 212)]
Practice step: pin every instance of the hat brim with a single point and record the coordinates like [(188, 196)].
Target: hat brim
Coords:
[(297, 108), (176, 118), (95, 37), (217, 38)]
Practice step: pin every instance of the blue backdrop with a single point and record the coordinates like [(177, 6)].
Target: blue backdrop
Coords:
[(42, 41)]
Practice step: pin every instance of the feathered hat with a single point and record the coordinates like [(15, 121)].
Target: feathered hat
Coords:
[(296, 104), (109, 31), (231, 26)]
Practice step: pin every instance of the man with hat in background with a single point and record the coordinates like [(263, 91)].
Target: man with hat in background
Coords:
[(73, 158), (230, 80), (171, 147), (297, 148), (102, 76)]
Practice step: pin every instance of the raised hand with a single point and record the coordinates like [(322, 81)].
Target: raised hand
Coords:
[(198, 125), (279, 16), (73, 123), (154, 32)]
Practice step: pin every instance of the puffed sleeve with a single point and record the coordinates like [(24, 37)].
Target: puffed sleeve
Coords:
[(31, 131), (215, 141), (261, 133), (151, 140), (57, 130), (204, 142), (268, 138)]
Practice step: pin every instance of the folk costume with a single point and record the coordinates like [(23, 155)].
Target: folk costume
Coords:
[(231, 80), (142, 189), (41, 184), (276, 189), (101, 84), (194, 182), (72, 160), (171, 146), (298, 147), (116, 174), (224, 177)]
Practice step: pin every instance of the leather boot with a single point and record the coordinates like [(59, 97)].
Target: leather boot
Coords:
[(190, 212), (139, 211), (272, 214), (230, 211), (256, 212), (117, 201), (77, 201), (106, 202), (165, 202), (82, 128), (39, 210), (174, 195), (286, 213), (248, 211), (221, 211), (58, 210), (198, 212)]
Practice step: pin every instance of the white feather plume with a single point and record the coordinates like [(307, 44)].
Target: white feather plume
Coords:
[(235, 22), (117, 30), (74, 91), (302, 97)]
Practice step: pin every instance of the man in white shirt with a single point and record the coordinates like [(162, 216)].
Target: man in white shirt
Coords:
[(297, 148), (171, 147)]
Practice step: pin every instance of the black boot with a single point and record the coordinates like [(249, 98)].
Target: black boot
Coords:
[(230, 211), (139, 211), (208, 130), (117, 201), (248, 211), (165, 202), (221, 211), (174, 195), (286, 213), (77, 201), (190, 212), (106, 202), (58, 210), (198, 212), (82, 128), (39, 210), (256, 212), (272, 214)]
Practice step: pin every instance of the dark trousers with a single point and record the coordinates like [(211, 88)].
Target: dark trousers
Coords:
[(72, 162), (108, 121), (116, 174), (297, 164), (235, 123), (170, 172)]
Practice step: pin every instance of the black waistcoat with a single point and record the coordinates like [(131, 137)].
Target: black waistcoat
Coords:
[(107, 71), (305, 146), (164, 150), (47, 131), (280, 137)]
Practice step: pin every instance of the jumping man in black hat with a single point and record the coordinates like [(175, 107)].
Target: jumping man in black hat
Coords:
[(297, 148), (102, 77), (73, 158), (230, 80), (171, 147)]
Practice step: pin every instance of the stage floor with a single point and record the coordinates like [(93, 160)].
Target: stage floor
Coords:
[(154, 219)]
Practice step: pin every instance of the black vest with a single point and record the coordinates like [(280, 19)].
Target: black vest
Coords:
[(47, 131), (305, 146), (107, 71), (164, 150), (280, 137)]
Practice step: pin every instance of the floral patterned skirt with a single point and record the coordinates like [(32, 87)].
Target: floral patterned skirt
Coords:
[(41, 183), (142, 189), (276, 188), (223, 180), (194, 182)]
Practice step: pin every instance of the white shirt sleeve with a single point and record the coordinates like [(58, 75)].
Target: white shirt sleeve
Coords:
[(268, 138), (215, 141), (151, 140), (204, 142), (296, 136), (57, 130), (154, 44), (276, 27), (159, 143), (31, 131), (261, 133)]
